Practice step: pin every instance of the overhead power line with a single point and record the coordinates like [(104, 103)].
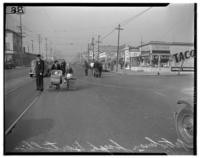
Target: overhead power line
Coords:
[(125, 22), (108, 34)]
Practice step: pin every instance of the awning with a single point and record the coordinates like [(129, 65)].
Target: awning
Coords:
[(160, 51)]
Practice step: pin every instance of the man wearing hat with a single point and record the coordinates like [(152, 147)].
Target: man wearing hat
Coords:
[(56, 65), (39, 72)]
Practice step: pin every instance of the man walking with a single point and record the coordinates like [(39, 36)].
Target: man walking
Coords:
[(63, 67), (86, 65), (100, 69), (39, 72)]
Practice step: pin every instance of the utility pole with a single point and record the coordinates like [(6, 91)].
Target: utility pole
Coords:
[(32, 46), (46, 47), (21, 43), (39, 38), (20, 26), (51, 52), (80, 57), (93, 48), (130, 65), (98, 41), (88, 52), (141, 45), (118, 28), (51, 49)]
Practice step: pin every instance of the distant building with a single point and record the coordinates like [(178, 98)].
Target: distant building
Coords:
[(13, 52), (111, 51), (108, 55), (131, 56), (12, 44)]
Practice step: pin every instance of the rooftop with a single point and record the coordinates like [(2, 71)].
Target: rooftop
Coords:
[(166, 43)]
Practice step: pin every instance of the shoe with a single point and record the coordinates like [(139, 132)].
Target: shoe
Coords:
[(41, 90)]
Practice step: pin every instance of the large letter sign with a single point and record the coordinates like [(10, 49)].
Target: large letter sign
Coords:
[(182, 56)]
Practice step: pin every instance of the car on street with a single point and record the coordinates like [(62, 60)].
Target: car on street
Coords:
[(9, 65)]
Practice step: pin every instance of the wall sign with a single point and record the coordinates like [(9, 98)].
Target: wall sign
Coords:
[(183, 55)]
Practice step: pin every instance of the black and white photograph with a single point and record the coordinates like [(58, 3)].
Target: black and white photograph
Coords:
[(99, 78)]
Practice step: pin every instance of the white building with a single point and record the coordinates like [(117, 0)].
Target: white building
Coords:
[(167, 54)]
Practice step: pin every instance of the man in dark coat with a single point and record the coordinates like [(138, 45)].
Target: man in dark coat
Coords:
[(56, 65), (39, 72), (63, 67), (86, 66), (100, 67), (69, 69)]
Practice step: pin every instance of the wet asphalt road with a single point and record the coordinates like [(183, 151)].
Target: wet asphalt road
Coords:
[(116, 113)]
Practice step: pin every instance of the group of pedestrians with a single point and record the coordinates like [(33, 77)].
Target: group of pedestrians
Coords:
[(95, 67), (39, 70)]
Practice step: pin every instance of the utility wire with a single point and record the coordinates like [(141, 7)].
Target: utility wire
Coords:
[(108, 34), (125, 22)]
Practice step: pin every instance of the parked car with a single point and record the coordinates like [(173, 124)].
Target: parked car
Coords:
[(32, 69), (184, 122), (9, 65)]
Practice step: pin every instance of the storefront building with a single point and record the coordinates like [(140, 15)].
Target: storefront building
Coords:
[(167, 54), (131, 57), (155, 54)]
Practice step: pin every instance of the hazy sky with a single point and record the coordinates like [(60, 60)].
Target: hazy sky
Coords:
[(70, 29)]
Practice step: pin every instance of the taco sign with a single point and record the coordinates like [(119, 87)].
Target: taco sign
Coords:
[(183, 55)]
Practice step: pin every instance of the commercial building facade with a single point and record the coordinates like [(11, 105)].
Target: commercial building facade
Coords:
[(163, 54), (149, 56), (12, 44), (13, 51), (157, 54)]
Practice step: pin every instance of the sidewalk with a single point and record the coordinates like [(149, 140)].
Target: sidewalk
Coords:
[(155, 73)]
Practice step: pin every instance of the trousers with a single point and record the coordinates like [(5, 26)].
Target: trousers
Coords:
[(39, 82)]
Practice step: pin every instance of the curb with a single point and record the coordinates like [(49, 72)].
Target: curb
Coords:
[(155, 73)]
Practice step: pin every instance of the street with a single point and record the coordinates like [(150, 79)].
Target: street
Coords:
[(115, 113)]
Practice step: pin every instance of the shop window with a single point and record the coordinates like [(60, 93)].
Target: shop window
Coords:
[(155, 60), (164, 61)]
